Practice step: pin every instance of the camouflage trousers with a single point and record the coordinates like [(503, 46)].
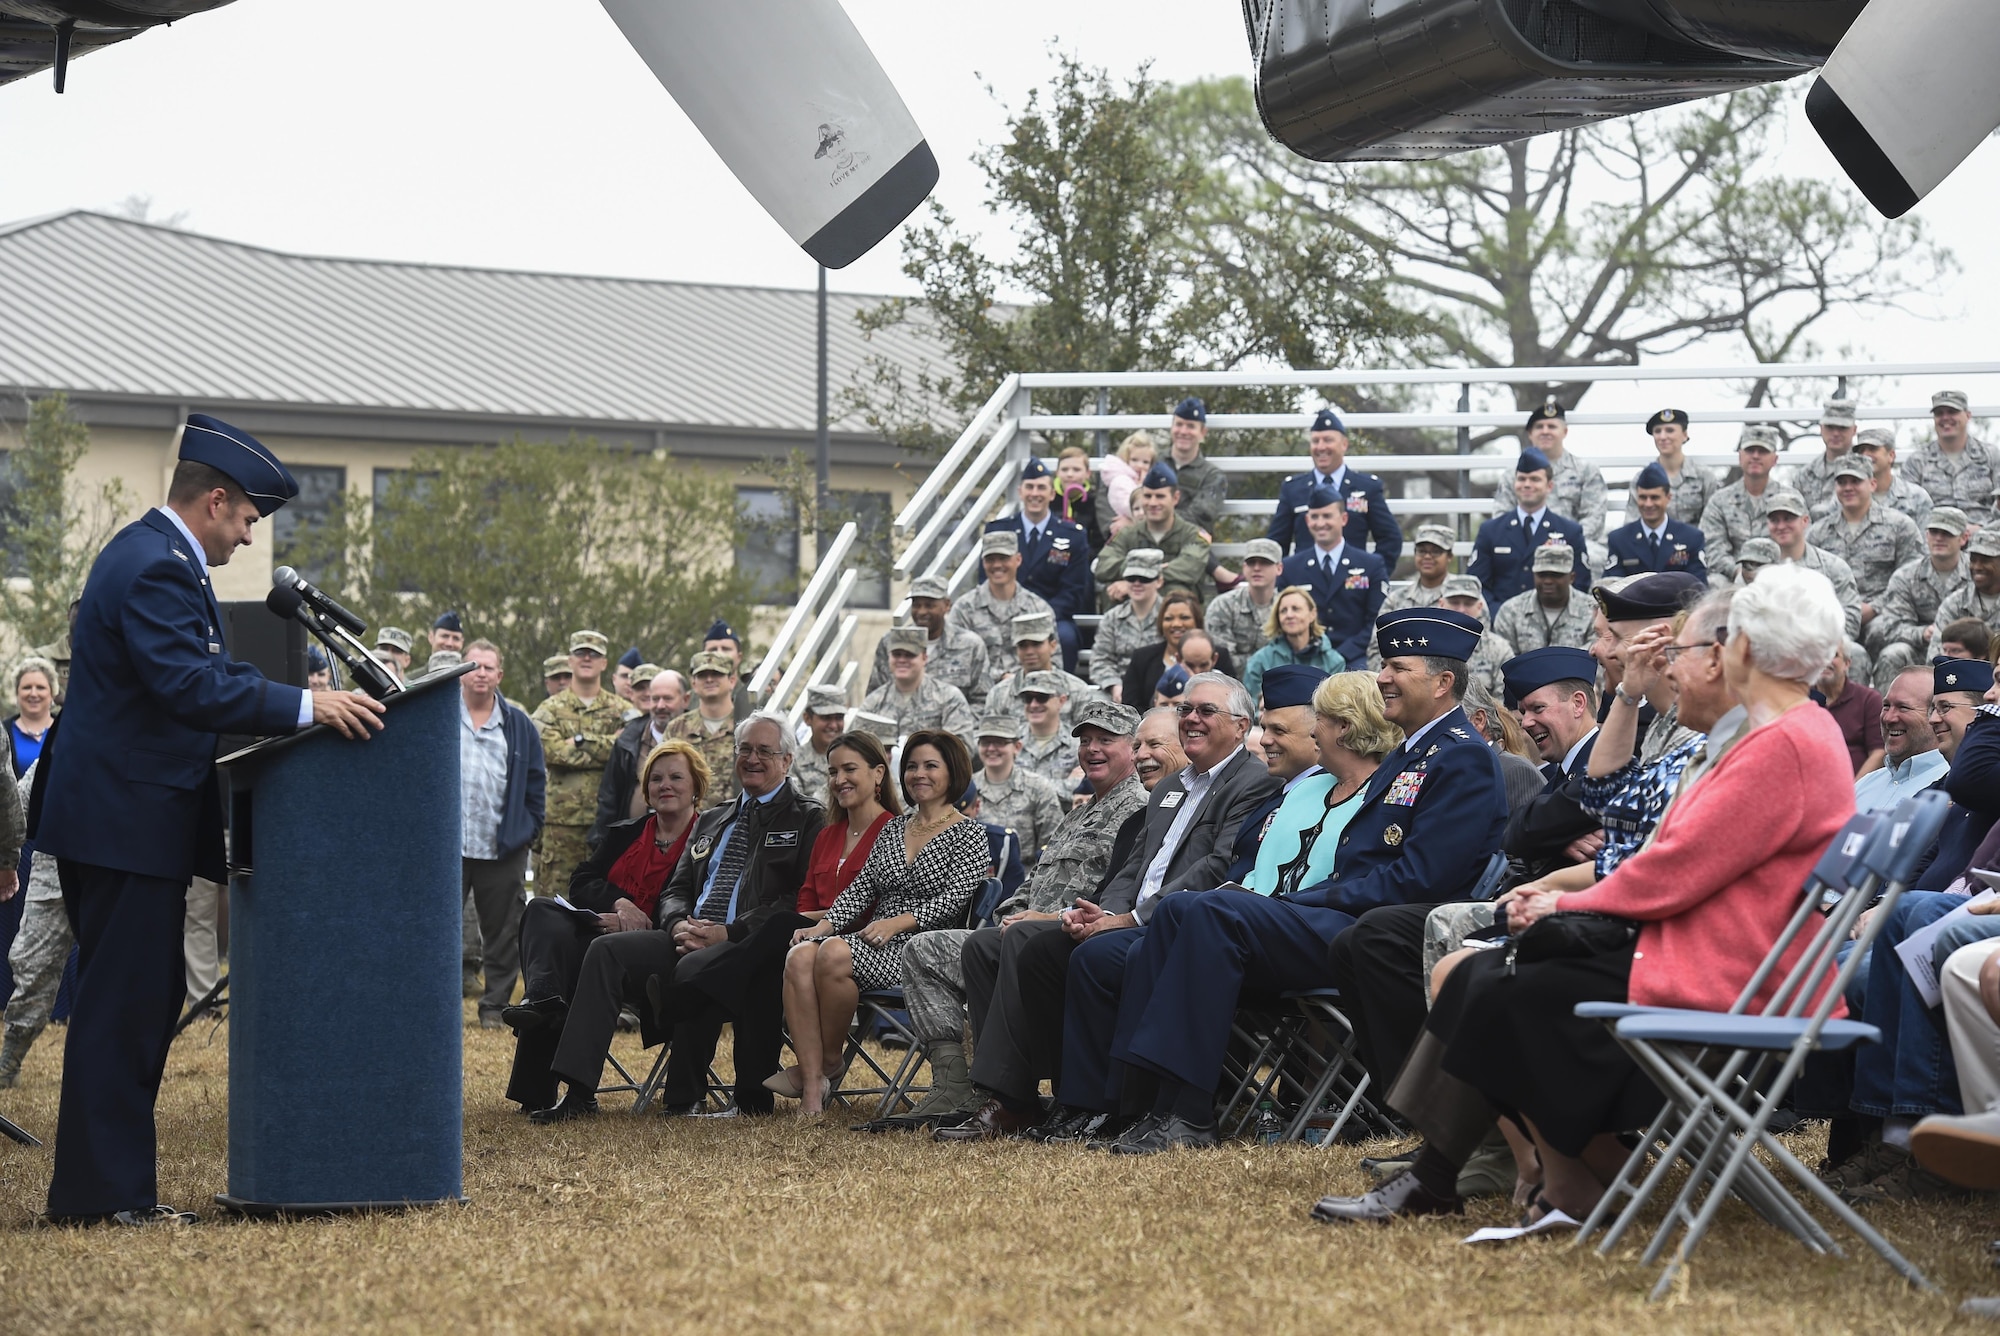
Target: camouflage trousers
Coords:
[(558, 853), (934, 985), (40, 950), (1446, 930), (1892, 659)]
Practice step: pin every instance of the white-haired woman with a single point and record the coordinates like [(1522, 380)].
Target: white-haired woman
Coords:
[(1708, 898)]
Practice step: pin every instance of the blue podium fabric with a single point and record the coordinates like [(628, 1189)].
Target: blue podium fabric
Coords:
[(344, 1010)]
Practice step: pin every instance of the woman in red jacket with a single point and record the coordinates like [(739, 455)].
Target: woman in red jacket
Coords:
[(1708, 897)]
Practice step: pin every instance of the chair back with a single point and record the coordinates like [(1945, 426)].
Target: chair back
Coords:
[(1829, 882), (1492, 879), (1912, 829), (985, 903)]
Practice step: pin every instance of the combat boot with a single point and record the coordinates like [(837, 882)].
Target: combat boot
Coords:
[(12, 1050)]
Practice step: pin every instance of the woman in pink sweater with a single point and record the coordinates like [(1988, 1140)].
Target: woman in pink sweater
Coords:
[(1709, 896)]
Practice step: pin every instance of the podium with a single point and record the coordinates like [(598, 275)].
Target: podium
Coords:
[(345, 1019)]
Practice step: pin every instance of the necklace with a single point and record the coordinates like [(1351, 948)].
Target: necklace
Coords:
[(929, 824)]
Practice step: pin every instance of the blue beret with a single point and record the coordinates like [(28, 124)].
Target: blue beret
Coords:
[(631, 658), (720, 631), (1530, 672), (1161, 475), (241, 458), (1292, 684), (1438, 632), (1974, 675), (1532, 459), (448, 621), (1191, 408), (1172, 682), (1321, 495), (1034, 468), (1327, 420), (1653, 476), (1649, 597)]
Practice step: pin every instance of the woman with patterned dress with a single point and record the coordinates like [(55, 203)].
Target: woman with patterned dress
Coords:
[(922, 874)]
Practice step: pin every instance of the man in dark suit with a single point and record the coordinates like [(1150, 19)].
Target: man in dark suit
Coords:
[(1363, 500), (1192, 821), (1554, 693), (1348, 583), (1655, 542), (130, 808), (1503, 552), (1055, 555)]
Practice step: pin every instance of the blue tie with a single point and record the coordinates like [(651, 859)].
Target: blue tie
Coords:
[(735, 856)]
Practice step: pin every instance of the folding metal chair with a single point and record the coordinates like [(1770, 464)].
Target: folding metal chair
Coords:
[(1322, 1058), (719, 1092), (1259, 1033), (1724, 1073), (882, 1007)]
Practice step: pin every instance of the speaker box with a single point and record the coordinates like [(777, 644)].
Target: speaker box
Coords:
[(256, 635)]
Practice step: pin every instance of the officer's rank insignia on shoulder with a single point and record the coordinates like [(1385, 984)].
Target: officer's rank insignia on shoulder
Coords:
[(1459, 733), (177, 552)]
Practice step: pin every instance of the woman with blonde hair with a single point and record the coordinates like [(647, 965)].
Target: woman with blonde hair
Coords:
[(1295, 636), (35, 708)]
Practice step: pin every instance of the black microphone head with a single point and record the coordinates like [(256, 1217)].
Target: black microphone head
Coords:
[(284, 600), (285, 577)]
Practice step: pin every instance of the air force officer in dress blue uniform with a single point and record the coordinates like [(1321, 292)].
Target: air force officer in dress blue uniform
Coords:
[(1655, 543), (1055, 555), (1503, 553), (1347, 582), (130, 807), (1364, 502)]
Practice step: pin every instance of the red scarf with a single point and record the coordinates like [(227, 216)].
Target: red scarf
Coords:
[(641, 872)]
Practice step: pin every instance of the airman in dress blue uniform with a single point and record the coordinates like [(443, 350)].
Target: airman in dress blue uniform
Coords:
[(1503, 552), (1362, 497), (1655, 542), (1055, 555), (1347, 582), (130, 808)]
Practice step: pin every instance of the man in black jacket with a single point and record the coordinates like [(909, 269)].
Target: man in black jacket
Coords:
[(743, 864)]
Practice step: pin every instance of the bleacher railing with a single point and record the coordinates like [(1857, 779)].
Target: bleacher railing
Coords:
[(812, 643)]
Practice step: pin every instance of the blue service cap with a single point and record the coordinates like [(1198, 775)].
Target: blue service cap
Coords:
[(241, 458), (448, 621), (1172, 682), (1035, 468), (969, 797), (1974, 675), (631, 658), (1292, 684), (1191, 408), (1161, 475), (1654, 476), (316, 661), (721, 631), (1321, 496), (1532, 459), (1327, 420), (1434, 631), (1527, 673)]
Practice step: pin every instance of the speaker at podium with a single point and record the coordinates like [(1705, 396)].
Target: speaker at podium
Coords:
[(345, 1034)]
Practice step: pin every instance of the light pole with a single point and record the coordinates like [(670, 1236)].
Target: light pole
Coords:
[(822, 494)]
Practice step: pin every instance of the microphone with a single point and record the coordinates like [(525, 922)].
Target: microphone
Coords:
[(369, 673), (286, 578)]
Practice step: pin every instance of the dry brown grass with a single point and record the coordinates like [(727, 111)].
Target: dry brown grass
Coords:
[(625, 1224)]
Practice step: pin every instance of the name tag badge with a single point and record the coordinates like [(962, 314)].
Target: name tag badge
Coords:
[(1357, 580), (782, 839), (1502, 551), (1300, 510), (1173, 799)]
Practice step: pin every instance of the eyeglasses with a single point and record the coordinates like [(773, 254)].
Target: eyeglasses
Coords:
[(1205, 709), (1036, 698), (759, 753), (1942, 708), (1676, 649)]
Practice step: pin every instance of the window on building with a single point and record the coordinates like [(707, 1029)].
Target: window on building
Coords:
[(13, 552), (768, 550), (873, 550), (300, 520)]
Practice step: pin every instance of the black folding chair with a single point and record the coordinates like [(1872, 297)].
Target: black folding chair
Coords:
[(883, 1008)]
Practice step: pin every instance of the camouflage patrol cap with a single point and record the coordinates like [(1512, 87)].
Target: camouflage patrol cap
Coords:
[(1032, 628), (1837, 413), (708, 661), (589, 640), (1785, 501), (1437, 535), (1000, 543), (929, 586), (1951, 399), (1881, 436), (1555, 558), (393, 636), (1263, 549), (1047, 682), (645, 673), (878, 726), (1118, 720), (825, 700), (1757, 436), (999, 726), (1462, 586), (442, 659), (1985, 543), (1852, 466), (556, 665), (1758, 552), (1948, 519), (912, 639), (1144, 562)]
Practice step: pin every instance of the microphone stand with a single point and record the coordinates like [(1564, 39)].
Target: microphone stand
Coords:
[(369, 673)]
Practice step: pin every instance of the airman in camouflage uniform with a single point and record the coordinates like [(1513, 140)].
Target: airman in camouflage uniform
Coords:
[(1235, 621), (1036, 649), (714, 737), (1576, 487), (577, 737), (1526, 625), (826, 718), (1899, 637), (1432, 547), (1877, 447), (988, 610), (1813, 479), (1023, 802), (1785, 507), (952, 654), (1966, 479), (1125, 629), (1182, 543), (931, 704), (1463, 593), (1204, 487), (1052, 757), (1969, 600), (1878, 546), (1735, 514)]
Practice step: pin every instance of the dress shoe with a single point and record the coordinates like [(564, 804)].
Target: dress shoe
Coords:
[(787, 1083), (1065, 1126), (545, 1016), (989, 1122), (1113, 1130), (1401, 1196), (1171, 1133), (572, 1105), (1964, 1150), (134, 1219)]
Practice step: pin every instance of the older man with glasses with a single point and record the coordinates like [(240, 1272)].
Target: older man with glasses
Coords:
[(1911, 759)]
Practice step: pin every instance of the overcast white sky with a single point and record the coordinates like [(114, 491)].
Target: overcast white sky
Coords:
[(529, 135)]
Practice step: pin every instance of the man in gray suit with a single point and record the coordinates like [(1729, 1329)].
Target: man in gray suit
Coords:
[(1188, 844)]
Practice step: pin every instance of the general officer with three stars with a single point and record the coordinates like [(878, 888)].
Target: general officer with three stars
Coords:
[(128, 805), (1362, 497)]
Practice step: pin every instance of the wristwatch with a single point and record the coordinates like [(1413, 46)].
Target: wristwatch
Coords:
[(1634, 701)]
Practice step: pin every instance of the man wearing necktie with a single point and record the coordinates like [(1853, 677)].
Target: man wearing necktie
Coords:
[(1503, 552), (1347, 583), (1655, 542), (1363, 499), (1055, 554), (1554, 693)]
